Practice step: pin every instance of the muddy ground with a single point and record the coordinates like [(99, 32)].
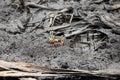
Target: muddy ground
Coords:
[(96, 47)]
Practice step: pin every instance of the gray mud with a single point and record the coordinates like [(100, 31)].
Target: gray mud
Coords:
[(33, 45)]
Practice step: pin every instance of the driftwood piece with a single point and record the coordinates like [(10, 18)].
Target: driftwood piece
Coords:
[(16, 69), (23, 74), (25, 67)]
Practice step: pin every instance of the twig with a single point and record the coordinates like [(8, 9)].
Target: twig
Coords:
[(76, 32), (105, 20), (109, 21), (34, 5), (98, 1), (59, 13), (23, 74), (62, 26), (27, 79), (58, 27), (71, 18)]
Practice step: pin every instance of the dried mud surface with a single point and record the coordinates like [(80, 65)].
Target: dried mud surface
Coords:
[(34, 45)]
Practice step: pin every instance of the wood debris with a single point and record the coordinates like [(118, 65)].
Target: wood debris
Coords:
[(61, 12), (97, 1), (22, 70), (109, 21), (32, 5)]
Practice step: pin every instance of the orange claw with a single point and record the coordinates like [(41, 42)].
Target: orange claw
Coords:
[(56, 41)]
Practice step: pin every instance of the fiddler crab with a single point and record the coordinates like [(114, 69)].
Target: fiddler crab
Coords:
[(56, 41)]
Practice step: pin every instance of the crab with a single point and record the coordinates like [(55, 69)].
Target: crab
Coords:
[(56, 41)]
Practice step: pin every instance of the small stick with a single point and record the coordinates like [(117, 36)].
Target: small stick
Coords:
[(58, 27), (59, 13), (75, 32), (105, 19), (71, 18), (62, 26), (34, 5), (27, 78), (98, 1)]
